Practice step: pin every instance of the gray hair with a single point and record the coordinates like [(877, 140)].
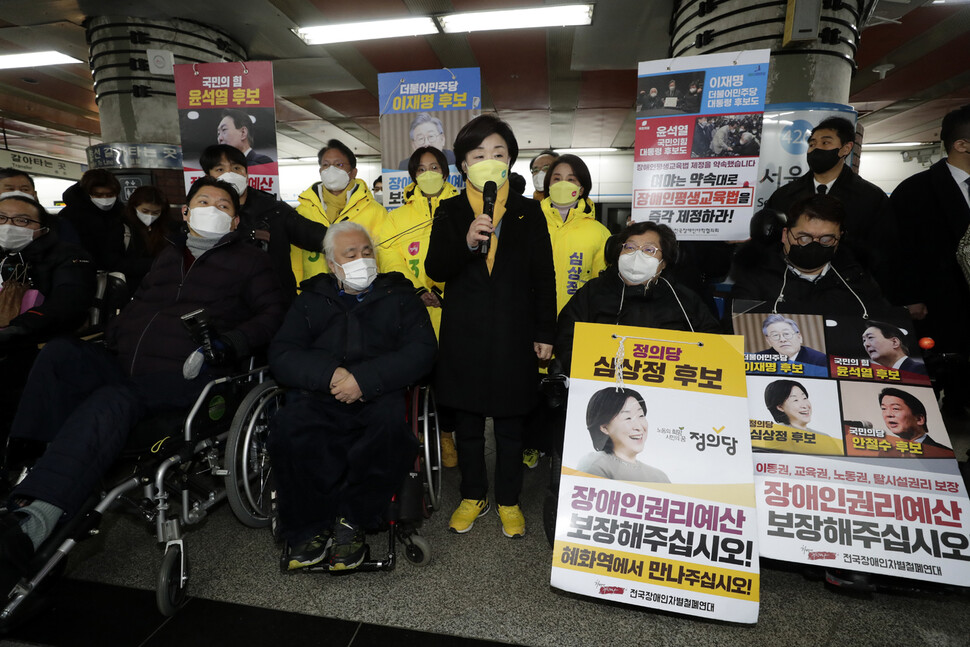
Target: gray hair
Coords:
[(772, 319), (424, 118), (341, 228)]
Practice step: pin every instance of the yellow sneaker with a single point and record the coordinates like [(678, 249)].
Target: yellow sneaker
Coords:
[(513, 523), (449, 455), (530, 458), (464, 516)]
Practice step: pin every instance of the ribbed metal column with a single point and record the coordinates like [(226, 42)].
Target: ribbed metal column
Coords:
[(818, 71), (137, 106)]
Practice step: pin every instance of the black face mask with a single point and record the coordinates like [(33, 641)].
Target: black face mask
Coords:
[(821, 161), (811, 256)]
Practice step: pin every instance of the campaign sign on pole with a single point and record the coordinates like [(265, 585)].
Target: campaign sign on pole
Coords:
[(233, 104), (698, 139), (861, 474), (423, 108), (656, 501), (787, 128)]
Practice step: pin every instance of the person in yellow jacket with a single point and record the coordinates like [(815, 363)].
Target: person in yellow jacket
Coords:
[(578, 238), (406, 231), (337, 197), (578, 252), (404, 246)]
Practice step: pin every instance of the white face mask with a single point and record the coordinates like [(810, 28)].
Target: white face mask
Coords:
[(638, 267), (209, 222), (14, 238), (146, 218), (379, 196), (104, 204), (359, 273), (334, 179), (239, 182), (538, 180)]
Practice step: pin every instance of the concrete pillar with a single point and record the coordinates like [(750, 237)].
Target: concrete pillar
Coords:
[(136, 101), (817, 69)]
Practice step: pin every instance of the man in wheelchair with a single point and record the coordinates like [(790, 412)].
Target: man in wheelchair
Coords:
[(82, 401), (349, 346)]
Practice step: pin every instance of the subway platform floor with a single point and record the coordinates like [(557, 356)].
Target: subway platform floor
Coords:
[(479, 589)]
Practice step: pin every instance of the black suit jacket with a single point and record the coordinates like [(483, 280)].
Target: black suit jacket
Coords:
[(933, 215), (253, 158), (913, 366)]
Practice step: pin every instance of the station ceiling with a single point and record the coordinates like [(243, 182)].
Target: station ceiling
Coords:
[(569, 87)]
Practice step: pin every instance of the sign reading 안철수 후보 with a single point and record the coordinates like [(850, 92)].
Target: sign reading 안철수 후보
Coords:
[(656, 501), (861, 472)]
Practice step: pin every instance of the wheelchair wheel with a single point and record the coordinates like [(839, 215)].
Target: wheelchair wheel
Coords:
[(173, 580), (417, 550), (249, 478), (427, 418)]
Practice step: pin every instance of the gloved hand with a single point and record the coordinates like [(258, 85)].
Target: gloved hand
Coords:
[(217, 353)]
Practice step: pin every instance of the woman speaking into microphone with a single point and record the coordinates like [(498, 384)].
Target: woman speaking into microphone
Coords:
[(498, 320)]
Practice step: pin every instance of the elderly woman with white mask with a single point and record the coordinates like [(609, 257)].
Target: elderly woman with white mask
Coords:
[(632, 290)]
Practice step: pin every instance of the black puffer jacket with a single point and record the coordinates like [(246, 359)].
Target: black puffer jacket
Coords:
[(760, 271), (608, 300), (66, 277), (385, 340), (233, 282), (102, 233), (285, 226)]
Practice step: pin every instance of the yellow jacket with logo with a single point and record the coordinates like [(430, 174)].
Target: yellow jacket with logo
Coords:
[(404, 239), (361, 208), (578, 247)]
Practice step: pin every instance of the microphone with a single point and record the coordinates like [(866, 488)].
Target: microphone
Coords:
[(489, 194)]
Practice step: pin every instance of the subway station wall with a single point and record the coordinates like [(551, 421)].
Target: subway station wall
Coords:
[(612, 175)]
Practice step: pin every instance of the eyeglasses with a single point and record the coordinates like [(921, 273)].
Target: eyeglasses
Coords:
[(20, 221), (778, 336), (325, 165), (542, 168), (807, 239), (426, 140), (647, 248)]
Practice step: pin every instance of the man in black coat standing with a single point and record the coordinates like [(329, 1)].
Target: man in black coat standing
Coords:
[(351, 344), (933, 209), (869, 226), (272, 225), (83, 401)]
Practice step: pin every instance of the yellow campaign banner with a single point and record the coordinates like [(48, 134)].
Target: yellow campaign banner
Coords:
[(671, 359), (647, 569), (656, 497)]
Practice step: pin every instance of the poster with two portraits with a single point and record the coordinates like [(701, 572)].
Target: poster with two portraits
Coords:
[(853, 464), (656, 500)]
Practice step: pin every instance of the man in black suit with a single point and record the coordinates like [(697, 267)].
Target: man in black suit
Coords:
[(933, 209), (905, 417), (236, 130), (869, 226), (885, 345)]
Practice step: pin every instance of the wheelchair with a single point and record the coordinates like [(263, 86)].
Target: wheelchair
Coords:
[(252, 497), (174, 469)]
